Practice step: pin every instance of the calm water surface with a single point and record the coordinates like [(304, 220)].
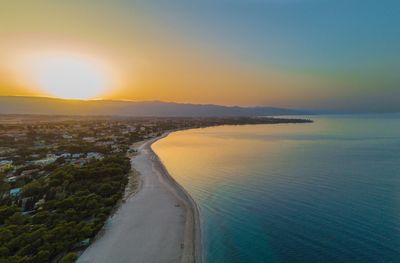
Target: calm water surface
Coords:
[(322, 192)]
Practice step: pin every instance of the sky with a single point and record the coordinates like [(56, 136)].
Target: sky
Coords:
[(322, 54)]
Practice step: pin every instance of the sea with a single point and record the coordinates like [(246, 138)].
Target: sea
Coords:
[(327, 191)]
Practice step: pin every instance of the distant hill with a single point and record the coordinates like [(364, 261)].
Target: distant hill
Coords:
[(50, 106)]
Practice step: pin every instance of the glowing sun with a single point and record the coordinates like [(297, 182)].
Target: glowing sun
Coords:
[(70, 77)]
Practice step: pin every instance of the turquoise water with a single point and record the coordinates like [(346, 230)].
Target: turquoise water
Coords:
[(322, 192)]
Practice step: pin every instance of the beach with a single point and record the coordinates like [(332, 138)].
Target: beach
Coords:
[(159, 223)]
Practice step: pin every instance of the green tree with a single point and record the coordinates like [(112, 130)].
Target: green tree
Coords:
[(5, 235), (7, 211), (33, 188), (4, 251), (42, 256), (4, 186), (69, 258), (16, 219)]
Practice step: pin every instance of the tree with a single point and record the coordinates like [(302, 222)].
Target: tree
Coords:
[(4, 252), (42, 256), (5, 235), (16, 219), (69, 258), (6, 212), (86, 231), (33, 188), (105, 190), (4, 187)]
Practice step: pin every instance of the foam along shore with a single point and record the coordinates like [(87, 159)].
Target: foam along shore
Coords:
[(160, 223)]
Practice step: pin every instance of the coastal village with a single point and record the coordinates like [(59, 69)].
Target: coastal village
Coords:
[(61, 178)]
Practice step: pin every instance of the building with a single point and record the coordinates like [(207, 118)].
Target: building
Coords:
[(89, 139), (11, 179), (46, 161), (94, 155), (15, 192)]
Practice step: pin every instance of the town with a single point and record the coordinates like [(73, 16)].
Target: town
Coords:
[(61, 177)]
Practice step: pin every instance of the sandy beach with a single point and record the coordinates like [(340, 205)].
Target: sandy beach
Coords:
[(160, 223)]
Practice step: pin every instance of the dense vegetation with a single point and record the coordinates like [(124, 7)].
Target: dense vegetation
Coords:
[(70, 206)]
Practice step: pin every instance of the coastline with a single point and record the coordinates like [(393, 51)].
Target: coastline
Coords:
[(192, 237), (159, 223)]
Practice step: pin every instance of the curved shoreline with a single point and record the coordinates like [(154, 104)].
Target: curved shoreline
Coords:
[(159, 223), (192, 237)]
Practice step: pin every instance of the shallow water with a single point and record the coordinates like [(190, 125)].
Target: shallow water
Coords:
[(322, 192)]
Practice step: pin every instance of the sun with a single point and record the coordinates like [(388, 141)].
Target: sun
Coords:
[(70, 76)]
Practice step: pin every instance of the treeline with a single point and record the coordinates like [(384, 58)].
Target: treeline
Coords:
[(68, 208)]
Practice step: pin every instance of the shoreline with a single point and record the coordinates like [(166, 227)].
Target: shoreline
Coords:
[(160, 222), (192, 236)]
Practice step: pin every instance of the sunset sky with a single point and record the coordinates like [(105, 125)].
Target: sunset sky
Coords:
[(288, 53)]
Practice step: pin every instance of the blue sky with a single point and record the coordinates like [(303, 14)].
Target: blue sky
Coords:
[(291, 33)]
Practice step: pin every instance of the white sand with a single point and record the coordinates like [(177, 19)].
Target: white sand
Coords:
[(159, 223)]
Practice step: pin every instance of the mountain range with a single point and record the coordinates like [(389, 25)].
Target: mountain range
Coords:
[(53, 106)]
